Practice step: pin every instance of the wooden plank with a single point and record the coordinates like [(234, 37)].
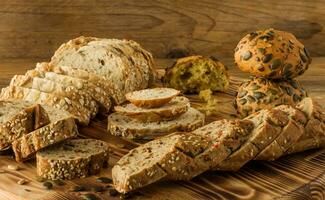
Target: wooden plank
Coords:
[(298, 176), (34, 29)]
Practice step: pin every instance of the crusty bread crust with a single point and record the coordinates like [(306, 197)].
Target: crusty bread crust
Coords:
[(151, 98)]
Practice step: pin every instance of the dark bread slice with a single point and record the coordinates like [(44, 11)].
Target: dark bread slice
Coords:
[(77, 158)]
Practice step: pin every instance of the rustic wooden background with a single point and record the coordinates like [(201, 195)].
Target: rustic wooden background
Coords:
[(34, 29)]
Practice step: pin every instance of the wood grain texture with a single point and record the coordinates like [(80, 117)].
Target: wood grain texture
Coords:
[(298, 176), (34, 29)]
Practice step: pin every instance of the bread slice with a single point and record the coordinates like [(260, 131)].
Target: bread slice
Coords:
[(77, 158), (62, 127), (18, 93), (169, 111), (56, 88), (123, 62), (151, 98), (18, 118), (102, 91), (179, 156), (125, 126)]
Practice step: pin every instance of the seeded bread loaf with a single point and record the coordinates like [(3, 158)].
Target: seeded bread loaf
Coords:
[(195, 73), (58, 89), (123, 62), (261, 93), (18, 118), (272, 54), (77, 158), (126, 126), (152, 97), (32, 95), (82, 79), (62, 127), (173, 109), (179, 156)]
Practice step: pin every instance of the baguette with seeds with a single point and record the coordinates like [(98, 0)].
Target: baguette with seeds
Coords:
[(56, 88), (173, 109), (18, 118), (62, 127), (18, 93), (76, 158)]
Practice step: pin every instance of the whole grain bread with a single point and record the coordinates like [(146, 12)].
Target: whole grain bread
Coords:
[(152, 97), (61, 127), (57, 88), (169, 111), (123, 62), (126, 126), (19, 93), (18, 118), (77, 158)]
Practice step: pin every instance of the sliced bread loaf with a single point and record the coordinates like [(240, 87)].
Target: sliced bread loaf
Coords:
[(179, 156), (126, 126), (18, 118), (62, 127), (19, 93), (169, 111), (77, 158), (151, 98), (57, 88)]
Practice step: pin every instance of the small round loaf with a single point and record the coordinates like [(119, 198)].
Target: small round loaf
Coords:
[(272, 54), (76, 158), (152, 97), (261, 93), (195, 73), (169, 111)]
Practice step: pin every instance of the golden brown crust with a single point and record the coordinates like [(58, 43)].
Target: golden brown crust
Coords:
[(273, 54)]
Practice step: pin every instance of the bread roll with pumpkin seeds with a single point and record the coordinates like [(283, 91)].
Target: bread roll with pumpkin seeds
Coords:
[(272, 54), (195, 73), (261, 93)]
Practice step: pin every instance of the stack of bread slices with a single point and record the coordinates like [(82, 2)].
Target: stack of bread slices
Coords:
[(152, 113), (39, 109)]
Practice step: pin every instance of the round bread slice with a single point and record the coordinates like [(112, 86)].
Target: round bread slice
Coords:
[(151, 98), (76, 158), (126, 126), (169, 111)]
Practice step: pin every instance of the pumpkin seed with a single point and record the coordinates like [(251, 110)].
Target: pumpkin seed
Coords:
[(247, 55), (112, 192), (104, 180), (242, 101), (275, 64), (267, 58), (261, 50), (258, 95), (242, 93), (48, 185), (271, 91), (251, 99), (90, 196), (255, 87), (22, 181)]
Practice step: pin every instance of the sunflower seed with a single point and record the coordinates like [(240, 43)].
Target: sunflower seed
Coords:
[(78, 188), (22, 181)]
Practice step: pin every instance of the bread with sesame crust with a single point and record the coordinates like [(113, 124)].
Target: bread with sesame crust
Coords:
[(18, 118), (62, 126), (58, 89), (19, 93), (77, 158)]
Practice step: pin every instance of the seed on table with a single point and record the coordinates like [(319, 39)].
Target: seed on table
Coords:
[(27, 190), (90, 196), (22, 181), (104, 180), (13, 167), (48, 185), (112, 192)]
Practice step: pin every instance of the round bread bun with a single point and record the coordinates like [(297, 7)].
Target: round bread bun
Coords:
[(261, 93), (272, 54)]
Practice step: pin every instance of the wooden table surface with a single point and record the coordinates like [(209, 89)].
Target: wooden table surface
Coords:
[(298, 176)]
